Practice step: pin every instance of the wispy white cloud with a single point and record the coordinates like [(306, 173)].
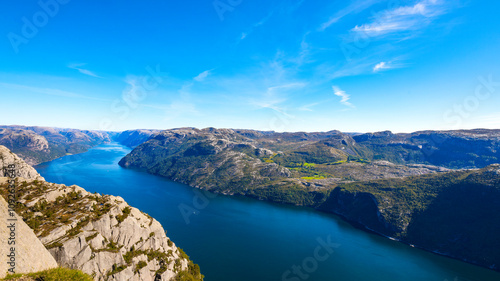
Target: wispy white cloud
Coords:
[(270, 89), (288, 86), (386, 65), (344, 97), (264, 20), (244, 35), (305, 54), (355, 7), (177, 104), (134, 93), (78, 66), (202, 76), (276, 96), (267, 90), (351, 68), (48, 91), (404, 18), (87, 72), (369, 47), (308, 107), (381, 66), (270, 103)]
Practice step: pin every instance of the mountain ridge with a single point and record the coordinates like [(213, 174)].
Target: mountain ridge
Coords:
[(332, 172)]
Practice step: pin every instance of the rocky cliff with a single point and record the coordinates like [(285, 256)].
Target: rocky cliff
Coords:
[(382, 181), (254, 163), (452, 149), (221, 160), (41, 144), (453, 214), (99, 234), (133, 138), (22, 169), (29, 254)]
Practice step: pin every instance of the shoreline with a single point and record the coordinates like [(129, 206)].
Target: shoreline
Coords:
[(353, 223)]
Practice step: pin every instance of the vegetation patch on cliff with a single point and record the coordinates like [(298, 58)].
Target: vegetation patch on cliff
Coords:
[(101, 228), (56, 274)]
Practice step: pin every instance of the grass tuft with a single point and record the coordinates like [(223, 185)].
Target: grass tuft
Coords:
[(55, 274)]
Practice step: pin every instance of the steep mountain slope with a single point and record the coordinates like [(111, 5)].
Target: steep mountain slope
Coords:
[(133, 138), (213, 159), (22, 169), (100, 234), (452, 149), (30, 255), (242, 161), (455, 213), (41, 144)]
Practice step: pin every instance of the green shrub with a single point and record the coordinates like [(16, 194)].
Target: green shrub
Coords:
[(140, 265)]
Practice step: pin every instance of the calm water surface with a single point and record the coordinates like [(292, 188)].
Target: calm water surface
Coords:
[(240, 239)]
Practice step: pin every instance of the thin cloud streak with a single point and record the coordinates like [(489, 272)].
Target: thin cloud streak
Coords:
[(50, 91), (275, 96), (308, 107), (202, 76), (355, 7), (386, 65), (343, 95), (244, 35), (403, 18), (77, 66)]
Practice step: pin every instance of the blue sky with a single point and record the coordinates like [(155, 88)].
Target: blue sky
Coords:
[(283, 65)]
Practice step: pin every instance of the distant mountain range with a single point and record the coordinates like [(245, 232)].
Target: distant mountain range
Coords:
[(437, 190), (42, 144), (398, 185), (450, 149)]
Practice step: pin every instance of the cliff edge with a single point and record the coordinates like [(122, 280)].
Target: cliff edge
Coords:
[(99, 234)]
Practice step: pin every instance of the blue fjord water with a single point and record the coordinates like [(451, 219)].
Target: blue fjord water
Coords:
[(241, 239)]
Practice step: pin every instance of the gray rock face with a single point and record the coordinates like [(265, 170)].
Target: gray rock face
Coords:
[(30, 254), (41, 144), (107, 246), (21, 169), (215, 159), (23, 138), (235, 161), (457, 149), (100, 235), (429, 211)]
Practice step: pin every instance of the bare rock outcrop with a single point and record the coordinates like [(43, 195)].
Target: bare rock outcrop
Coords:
[(21, 169), (219, 160), (29, 254), (36, 145), (99, 234)]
